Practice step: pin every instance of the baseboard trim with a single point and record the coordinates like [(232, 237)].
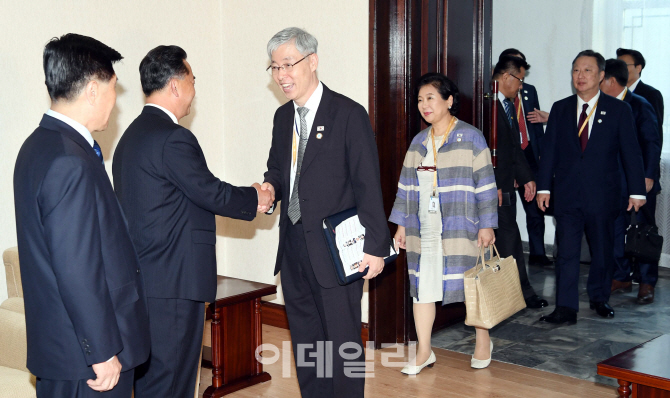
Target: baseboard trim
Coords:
[(275, 315)]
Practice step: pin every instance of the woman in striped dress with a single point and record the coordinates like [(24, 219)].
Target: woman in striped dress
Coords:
[(445, 209)]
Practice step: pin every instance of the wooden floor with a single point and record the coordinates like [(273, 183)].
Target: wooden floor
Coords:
[(451, 376)]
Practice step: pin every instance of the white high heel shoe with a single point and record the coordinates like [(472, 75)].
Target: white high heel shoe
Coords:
[(414, 370), (482, 363)]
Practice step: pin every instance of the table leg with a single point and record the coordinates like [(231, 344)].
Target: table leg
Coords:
[(217, 349), (258, 332), (624, 389)]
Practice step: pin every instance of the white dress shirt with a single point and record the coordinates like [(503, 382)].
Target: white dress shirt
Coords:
[(172, 116), (621, 94), (74, 124), (592, 103), (313, 105), (634, 85)]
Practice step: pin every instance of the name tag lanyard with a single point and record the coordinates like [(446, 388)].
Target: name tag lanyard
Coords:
[(587, 119), (434, 200)]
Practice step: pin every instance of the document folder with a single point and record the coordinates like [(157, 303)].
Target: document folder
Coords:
[(345, 238)]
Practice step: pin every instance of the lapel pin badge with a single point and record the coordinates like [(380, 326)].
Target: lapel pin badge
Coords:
[(600, 120), (458, 139), (525, 91), (526, 98), (319, 128), (603, 112), (319, 136)]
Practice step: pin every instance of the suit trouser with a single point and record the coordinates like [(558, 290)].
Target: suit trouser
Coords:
[(622, 272), (534, 225), (80, 389), (176, 327), (508, 242), (571, 224), (321, 319)]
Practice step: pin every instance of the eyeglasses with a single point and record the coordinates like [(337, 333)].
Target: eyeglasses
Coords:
[(520, 80), (274, 70)]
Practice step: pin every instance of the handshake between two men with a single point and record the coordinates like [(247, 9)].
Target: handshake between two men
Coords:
[(266, 196)]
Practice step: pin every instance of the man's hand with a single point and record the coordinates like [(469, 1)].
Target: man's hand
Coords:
[(107, 373), (543, 201), (375, 265), (499, 197), (529, 193), (266, 197), (538, 116), (485, 237), (635, 203), (400, 238), (649, 183)]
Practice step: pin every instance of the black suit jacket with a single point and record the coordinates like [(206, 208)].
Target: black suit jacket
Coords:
[(655, 98), (170, 198), (339, 171), (648, 136), (512, 163), (535, 130), (590, 180), (83, 291)]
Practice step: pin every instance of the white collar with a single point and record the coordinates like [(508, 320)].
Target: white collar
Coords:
[(592, 102), (314, 100), (634, 85), (501, 97), (172, 116), (72, 123), (622, 93)]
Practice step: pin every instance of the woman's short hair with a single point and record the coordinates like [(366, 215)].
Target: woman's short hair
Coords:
[(444, 86)]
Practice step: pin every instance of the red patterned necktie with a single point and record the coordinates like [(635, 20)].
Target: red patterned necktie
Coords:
[(584, 137), (522, 122)]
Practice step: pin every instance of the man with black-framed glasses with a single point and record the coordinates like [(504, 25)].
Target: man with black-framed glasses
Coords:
[(323, 160), (513, 168)]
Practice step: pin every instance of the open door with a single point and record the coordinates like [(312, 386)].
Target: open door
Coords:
[(407, 39)]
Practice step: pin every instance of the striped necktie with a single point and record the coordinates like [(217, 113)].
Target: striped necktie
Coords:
[(294, 202), (98, 151)]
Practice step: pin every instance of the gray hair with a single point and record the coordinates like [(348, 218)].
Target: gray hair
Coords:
[(304, 42)]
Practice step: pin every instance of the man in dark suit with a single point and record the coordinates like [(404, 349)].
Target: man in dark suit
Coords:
[(526, 105), (588, 135), (323, 160), (513, 169), (170, 198), (86, 314), (614, 84), (635, 62)]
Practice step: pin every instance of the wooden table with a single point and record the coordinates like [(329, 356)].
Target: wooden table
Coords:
[(236, 332), (643, 371)]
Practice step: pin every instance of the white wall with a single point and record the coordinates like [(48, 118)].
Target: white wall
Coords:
[(550, 34), (235, 101)]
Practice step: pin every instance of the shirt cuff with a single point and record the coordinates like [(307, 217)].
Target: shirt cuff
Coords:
[(642, 197), (544, 192), (110, 359)]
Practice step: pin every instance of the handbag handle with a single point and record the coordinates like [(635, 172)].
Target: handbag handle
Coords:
[(482, 251), (647, 215)]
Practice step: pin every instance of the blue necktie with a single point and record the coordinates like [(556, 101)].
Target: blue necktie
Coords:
[(508, 110), (98, 151)]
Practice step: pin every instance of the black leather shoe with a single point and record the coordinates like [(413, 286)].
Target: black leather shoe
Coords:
[(539, 260), (536, 301), (561, 315), (602, 308)]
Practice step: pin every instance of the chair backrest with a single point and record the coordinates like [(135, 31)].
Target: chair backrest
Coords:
[(13, 345), (11, 259)]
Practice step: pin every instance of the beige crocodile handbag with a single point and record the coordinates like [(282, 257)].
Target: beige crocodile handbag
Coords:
[(492, 290)]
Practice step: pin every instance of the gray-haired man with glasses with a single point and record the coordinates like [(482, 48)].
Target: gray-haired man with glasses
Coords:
[(323, 160)]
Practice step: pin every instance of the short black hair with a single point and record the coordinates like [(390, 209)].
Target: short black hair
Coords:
[(159, 66), (72, 60), (444, 86), (600, 60), (617, 68), (512, 52), (508, 64), (638, 59)]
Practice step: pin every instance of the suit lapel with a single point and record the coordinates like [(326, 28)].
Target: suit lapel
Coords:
[(597, 128), (286, 130), (321, 129), (572, 130)]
